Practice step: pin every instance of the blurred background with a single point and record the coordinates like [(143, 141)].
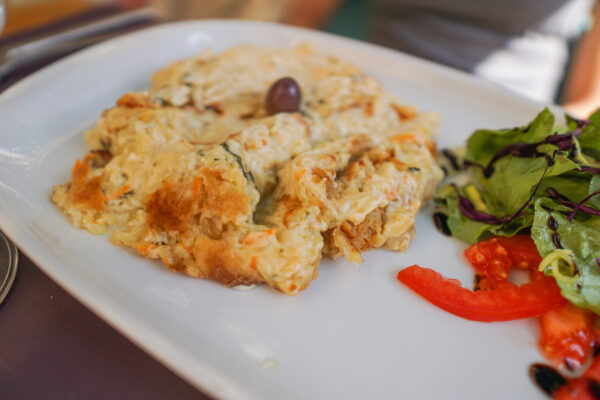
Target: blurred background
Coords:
[(547, 50), (37, 32), (345, 17)]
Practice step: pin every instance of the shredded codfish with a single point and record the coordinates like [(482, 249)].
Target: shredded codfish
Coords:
[(195, 173)]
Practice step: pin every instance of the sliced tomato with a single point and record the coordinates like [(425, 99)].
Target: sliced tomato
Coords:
[(579, 389), (567, 335), (507, 302), (492, 259), (586, 387), (593, 371)]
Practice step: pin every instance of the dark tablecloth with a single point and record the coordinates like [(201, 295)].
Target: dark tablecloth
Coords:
[(52, 347)]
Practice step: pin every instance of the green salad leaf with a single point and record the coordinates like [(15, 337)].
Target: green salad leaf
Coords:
[(594, 187), (514, 179), (572, 185), (517, 179), (582, 237), (590, 137), (484, 143)]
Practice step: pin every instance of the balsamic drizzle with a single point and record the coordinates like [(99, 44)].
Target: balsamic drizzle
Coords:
[(441, 223), (449, 154), (556, 241), (546, 378), (552, 223)]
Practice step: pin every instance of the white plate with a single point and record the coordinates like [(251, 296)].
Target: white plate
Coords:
[(355, 333)]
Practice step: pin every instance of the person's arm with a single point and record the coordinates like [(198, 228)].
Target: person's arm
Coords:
[(581, 94), (310, 13)]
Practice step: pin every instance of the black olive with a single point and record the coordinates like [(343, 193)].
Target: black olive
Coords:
[(284, 95)]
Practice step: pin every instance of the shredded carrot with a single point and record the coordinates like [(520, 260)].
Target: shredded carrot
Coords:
[(399, 164), (144, 249), (390, 195), (196, 186), (186, 248), (124, 189), (253, 262), (256, 236), (133, 100), (368, 109), (404, 112), (403, 137), (300, 174)]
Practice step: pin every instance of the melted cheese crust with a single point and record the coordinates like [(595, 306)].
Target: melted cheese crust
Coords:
[(194, 173)]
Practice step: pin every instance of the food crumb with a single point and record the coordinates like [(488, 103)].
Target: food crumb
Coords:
[(269, 363), (243, 288)]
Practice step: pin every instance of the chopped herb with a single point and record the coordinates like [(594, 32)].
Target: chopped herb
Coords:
[(238, 159), (128, 193)]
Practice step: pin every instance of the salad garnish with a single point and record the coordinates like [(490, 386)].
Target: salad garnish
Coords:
[(519, 178), (575, 206), (528, 198)]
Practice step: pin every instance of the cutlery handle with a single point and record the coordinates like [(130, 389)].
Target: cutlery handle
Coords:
[(18, 56)]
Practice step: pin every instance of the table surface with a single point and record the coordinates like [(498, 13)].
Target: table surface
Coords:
[(52, 347)]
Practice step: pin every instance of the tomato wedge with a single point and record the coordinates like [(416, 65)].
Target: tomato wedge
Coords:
[(586, 387), (518, 251), (578, 389), (568, 335), (493, 259), (507, 302), (497, 299), (593, 371)]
